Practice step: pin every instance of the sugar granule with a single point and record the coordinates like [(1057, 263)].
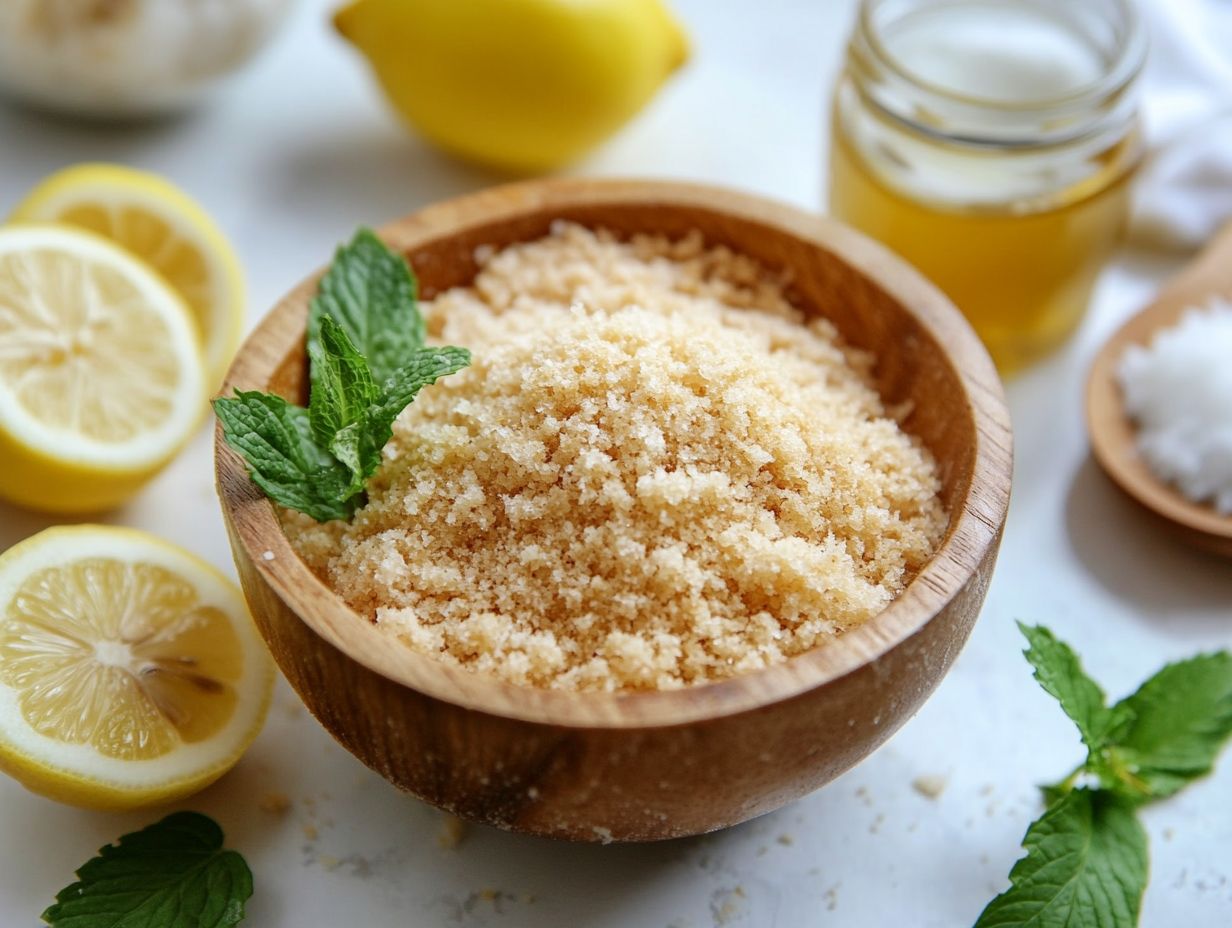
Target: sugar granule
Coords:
[(654, 473)]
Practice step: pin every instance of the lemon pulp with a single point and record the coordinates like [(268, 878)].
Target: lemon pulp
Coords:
[(68, 340), (118, 656), (157, 222), (130, 671), (101, 375), (152, 239)]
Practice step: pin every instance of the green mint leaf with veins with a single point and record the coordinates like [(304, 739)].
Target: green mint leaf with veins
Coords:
[(356, 418), (367, 361), (1180, 718), (359, 444), (342, 386), (372, 294), (422, 368), (275, 439), (1085, 867), (173, 874), (1060, 673)]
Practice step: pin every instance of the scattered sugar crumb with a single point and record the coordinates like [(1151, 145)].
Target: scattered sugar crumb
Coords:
[(605, 834), (453, 832), (726, 903), (655, 473), (267, 555), (930, 786), (831, 897), (496, 898), (785, 839), (275, 803), (532, 792)]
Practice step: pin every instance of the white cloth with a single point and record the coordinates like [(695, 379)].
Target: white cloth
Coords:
[(1184, 192)]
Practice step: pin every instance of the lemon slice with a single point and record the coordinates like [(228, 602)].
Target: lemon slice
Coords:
[(130, 671), (167, 229), (101, 376)]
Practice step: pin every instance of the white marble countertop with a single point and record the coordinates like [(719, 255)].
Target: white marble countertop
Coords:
[(298, 150)]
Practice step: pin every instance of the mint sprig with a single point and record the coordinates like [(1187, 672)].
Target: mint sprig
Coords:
[(1086, 862), (367, 361), (173, 874)]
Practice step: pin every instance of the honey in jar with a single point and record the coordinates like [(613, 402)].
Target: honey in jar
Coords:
[(991, 143)]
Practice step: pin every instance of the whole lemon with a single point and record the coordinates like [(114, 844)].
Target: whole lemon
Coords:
[(526, 85)]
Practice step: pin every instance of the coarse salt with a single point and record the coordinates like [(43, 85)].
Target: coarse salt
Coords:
[(1178, 391)]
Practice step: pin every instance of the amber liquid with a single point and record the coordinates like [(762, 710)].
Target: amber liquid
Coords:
[(1022, 276)]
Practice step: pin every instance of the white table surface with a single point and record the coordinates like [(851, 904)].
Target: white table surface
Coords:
[(298, 150)]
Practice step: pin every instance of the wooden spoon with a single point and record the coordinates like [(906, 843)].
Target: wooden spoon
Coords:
[(1113, 439)]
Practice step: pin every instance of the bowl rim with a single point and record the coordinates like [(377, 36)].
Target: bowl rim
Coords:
[(256, 534)]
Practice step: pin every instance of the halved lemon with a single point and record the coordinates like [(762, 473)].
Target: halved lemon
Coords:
[(130, 671), (164, 227), (101, 375)]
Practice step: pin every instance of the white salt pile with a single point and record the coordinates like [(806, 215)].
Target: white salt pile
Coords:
[(1179, 393)]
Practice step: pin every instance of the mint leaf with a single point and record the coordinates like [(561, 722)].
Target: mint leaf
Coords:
[(1060, 673), (359, 445), (422, 368), (275, 439), (1086, 867), (1181, 717), (342, 387), (372, 294), (173, 874)]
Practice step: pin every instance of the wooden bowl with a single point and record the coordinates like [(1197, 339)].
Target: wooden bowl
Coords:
[(644, 766), (1112, 434)]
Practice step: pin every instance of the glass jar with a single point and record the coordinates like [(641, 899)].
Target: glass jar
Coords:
[(991, 143)]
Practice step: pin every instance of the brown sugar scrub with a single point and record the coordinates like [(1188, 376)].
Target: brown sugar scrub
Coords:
[(654, 473)]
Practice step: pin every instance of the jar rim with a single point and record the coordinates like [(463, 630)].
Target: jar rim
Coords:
[(1124, 69)]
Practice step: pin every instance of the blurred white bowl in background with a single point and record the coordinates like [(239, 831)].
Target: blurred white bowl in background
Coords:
[(127, 58)]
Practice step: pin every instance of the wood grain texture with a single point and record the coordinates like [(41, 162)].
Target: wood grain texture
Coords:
[(645, 766), (1113, 439)]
